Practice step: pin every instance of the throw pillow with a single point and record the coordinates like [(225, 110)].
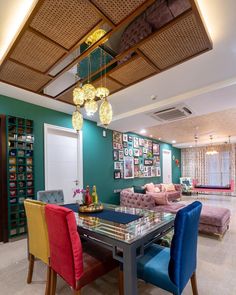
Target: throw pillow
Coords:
[(161, 199), (167, 187), (150, 187), (139, 189), (157, 190), (130, 189)]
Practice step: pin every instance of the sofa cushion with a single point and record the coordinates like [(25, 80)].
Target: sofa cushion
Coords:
[(139, 189), (168, 187), (161, 199), (151, 188), (170, 208)]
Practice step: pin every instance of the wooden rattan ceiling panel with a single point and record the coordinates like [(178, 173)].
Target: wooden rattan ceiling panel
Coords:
[(23, 77), (65, 21), (67, 96), (133, 71), (117, 10), (112, 85), (36, 52), (176, 43)]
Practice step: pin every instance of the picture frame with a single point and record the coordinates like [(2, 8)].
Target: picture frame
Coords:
[(136, 161), (126, 151), (141, 141), (117, 174), (115, 155), (136, 170), (117, 166), (155, 149), (130, 152), (128, 167), (121, 155), (125, 137), (115, 145), (140, 152), (148, 162), (136, 142), (130, 138), (117, 137), (145, 150), (136, 152), (125, 144)]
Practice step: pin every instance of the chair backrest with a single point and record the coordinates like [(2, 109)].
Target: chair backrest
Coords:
[(183, 251), (65, 246), (37, 229), (51, 196)]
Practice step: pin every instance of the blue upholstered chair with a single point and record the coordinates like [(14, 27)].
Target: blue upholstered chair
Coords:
[(171, 269), (51, 197)]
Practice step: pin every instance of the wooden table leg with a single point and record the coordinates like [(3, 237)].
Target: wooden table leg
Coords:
[(30, 269)]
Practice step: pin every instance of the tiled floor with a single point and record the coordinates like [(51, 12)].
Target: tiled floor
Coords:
[(216, 266)]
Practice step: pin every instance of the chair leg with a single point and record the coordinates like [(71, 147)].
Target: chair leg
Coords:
[(194, 284), (30, 269), (48, 283), (53, 282), (121, 282)]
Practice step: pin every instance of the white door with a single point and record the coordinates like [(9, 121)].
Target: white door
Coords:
[(167, 166), (63, 160)]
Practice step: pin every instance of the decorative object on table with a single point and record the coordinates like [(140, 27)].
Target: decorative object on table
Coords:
[(91, 208), (128, 167), (155, 149), (87, 196), (125, 137), (117, 174), (94, 195)]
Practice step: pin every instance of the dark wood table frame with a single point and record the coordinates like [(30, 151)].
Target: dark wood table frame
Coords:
[(127, 254)]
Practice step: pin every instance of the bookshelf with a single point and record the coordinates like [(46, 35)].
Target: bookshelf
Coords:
[(20, 172)]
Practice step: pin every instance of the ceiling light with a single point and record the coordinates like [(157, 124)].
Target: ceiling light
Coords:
[(95, 36), (102, 92), (77, 119), (143, 131), (159, 138), (173, 141), (11, 25), (151, 135), (78, 96), (105, 112), (89, 91), (91, 106)]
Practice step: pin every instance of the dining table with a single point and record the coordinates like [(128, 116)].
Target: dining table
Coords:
[(124, 231)]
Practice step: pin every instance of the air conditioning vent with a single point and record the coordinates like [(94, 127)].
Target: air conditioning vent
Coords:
[(172, 114)]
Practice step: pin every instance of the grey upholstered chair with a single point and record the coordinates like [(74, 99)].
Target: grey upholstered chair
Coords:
[(51, 196)]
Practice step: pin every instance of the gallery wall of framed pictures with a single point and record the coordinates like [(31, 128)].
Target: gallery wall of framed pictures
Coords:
[(135, 157)]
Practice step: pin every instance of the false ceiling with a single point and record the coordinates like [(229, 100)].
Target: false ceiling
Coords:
[(53, 35)]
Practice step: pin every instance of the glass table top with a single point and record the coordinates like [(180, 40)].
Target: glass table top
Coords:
[(148, 222)]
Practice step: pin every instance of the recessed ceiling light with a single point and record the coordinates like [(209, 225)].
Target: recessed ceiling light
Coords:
[(153, 97), (151, 135), (173, 141), (190, 146), (143, 131), (159, 138)]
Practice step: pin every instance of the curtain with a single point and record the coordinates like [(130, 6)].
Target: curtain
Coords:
[(217, 169)]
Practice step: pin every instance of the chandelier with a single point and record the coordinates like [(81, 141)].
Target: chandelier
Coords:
[(211, 150), (87, 95)]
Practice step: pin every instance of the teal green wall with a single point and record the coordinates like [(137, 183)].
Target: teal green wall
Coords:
[(97, 150)]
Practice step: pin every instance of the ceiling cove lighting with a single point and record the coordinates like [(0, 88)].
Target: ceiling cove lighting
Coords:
[(173, 141), (143, 131), (13, 16)]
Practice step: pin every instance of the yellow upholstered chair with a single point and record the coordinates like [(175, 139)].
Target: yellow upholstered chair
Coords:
[(38, 245)]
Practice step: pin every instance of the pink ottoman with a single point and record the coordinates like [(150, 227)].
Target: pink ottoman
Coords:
[(214, 220)]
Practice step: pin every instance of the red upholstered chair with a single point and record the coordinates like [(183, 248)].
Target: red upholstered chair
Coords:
[(77, 266)]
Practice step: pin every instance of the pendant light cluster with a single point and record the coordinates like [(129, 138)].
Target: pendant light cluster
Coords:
[(87, 97)]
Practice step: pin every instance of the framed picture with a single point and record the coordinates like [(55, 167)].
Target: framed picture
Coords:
[(115, 155), (141, 167), (117, 174), (148, 162), (156, 149), (130, 152), (141, 141), (125, 137), (136, 170), (136, 161), (121, 156), (145, 150), (128, 167), (119, 146), (115, 146), (145, 143), (117, 137), (149, 171), (136, 152), (126, 152), (130, 138), (136, 144), (125, 144), (140, 152), (117, 166)]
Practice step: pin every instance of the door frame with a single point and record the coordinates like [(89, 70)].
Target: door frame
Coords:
[(169, 151), (3, 182), (79, 134)]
